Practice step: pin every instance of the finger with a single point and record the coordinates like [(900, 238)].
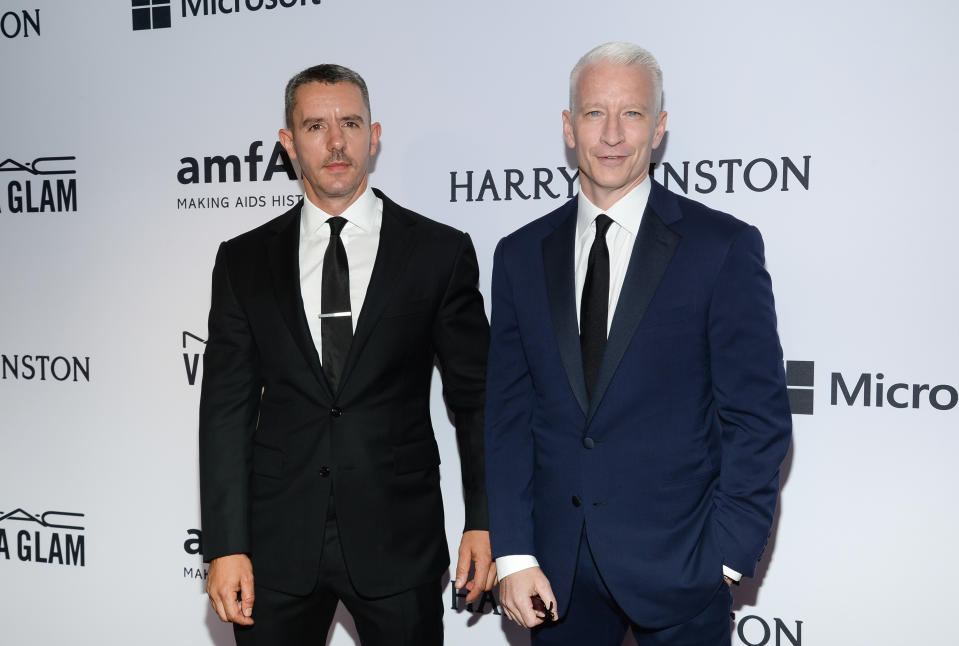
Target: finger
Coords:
[(462, 566), (228, 597), (218, 607), (480, 574), (491, 578), (529, 616), (546, 594), (511, 615), (246, 597)]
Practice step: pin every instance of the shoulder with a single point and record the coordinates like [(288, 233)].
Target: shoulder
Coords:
[(426, 229), (256, 237), (533, 233), (698, 220)]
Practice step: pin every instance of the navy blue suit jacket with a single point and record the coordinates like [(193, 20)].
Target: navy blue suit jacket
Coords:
[(673, 465)]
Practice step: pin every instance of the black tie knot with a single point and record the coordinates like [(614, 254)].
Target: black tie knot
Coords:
[(336, 224), (603, 223)]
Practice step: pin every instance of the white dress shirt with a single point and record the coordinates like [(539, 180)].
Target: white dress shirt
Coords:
[(361, 238), (626, 215)]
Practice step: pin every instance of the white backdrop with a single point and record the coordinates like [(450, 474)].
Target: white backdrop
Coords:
[(105, 268)]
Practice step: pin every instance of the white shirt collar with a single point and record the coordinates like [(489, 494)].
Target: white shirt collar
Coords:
[(361, 213), (627, 212)]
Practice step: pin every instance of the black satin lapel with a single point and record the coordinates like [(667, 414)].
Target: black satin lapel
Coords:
[(561, 291), (652, 251), (284, 254), (392, 255)]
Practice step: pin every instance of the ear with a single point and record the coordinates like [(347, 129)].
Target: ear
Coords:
[(660, 129), (568, 134), (286, 138), (375, 131)]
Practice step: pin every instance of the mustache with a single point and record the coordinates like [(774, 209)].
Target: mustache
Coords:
[(337, 156)]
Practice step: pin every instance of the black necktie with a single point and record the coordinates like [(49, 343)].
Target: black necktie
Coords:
[(336, 322), (594, 306)]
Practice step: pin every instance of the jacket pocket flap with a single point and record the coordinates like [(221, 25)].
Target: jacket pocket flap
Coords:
[(267, 462), (416, 456)]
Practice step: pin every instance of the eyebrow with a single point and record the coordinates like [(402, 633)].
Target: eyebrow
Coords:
[(309, 121)]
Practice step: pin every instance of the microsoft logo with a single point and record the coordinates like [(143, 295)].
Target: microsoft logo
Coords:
[(151, 14), (800, 378)]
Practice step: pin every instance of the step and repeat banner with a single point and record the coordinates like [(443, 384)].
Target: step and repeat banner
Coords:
[(138, 135)]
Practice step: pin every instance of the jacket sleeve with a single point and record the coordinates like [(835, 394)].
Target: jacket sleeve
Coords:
[(509, 438), (750, 392), (229, 402), (461, 339)]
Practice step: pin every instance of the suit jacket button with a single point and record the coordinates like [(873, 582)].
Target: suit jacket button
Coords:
[(324, 471), (336, 412), (588, 442), (576, 501)]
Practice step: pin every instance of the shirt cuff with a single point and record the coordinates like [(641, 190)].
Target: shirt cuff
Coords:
[(506, 565), (727, 571)]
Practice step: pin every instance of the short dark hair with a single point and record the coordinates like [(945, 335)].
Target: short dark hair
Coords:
[(326, 73)]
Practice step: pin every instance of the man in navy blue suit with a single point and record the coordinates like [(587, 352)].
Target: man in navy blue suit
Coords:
[(636, 410)]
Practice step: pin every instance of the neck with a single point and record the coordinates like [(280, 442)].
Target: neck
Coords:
[(335, 204), (605, 198)]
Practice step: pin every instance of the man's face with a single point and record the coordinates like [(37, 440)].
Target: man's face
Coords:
[(613, 129), (332, 137)]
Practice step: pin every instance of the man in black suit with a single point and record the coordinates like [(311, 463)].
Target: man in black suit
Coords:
[(319, 471)]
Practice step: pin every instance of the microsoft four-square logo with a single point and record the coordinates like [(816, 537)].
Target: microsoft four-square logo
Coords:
[(800, 379), (151, 14)]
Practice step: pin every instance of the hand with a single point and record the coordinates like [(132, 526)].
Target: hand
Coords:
[(475, 549), (516, 592), (727, 580), (227, 576)]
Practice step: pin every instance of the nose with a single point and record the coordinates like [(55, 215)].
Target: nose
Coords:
[(612, 131), (336, 140)]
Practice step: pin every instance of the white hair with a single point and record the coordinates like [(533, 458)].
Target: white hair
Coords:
[(619, 54)]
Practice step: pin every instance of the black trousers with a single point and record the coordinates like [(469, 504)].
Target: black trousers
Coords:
[(596, 619), (411, 618)]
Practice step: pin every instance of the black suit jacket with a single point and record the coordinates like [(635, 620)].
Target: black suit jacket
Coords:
[(275, 441)]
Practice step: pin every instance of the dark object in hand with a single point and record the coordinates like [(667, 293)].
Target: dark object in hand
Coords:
[(540, 607)]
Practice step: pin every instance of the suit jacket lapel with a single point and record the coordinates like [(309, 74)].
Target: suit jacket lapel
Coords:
[(653, 249), (561, 292), (284, 253), (392, 255)]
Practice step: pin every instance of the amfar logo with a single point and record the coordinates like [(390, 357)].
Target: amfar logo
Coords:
[(191, 360), (193, 546), (226, 169), (43, 367), (156, 14), (753, 630), (18, 25), (25, 195), (866, 389), (42, 545)]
